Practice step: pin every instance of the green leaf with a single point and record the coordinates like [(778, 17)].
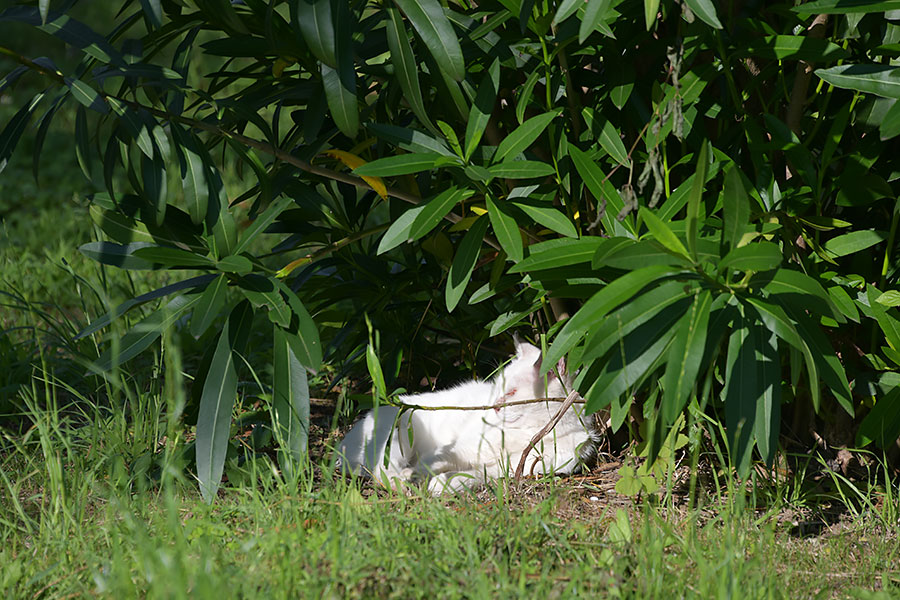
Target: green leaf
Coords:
[(706, 10), (153, 11), (11, 134), (155, 192), (855, 241), (306, 344), (211, 302), (553, 254), (144, 333), (881, 80), (889, 298), (695, 199), (777, 321), (759, 256), (235, 263), (505, 228), (451, 137), (405, 65), (428, 19), (767, 423), (403, 164), (436, 209), (409, 139), (464, 262), (193, 173), (117, 255), (794, 47), (829, 366), (839, 7), (547, 216), (290, 403), (845, 304), (789, 285), (890, 124), (742, 392), (593, 15), (521, 169), (262, 222), (173, 257), (314, 20), (637, 356), (736, 208), (483, 108), (602, 190), (621, 322), (399, 231), (882, 424), (662, 233), (685, 356), (87, 95), (631, 255), (565, 10), (523, 136), (216, 402), (889, 325), (651, 9), (70, 31), (611, 142), (524, 96), (340, 93), (264, 291), (101, 322), (83, 152), (611, 296)]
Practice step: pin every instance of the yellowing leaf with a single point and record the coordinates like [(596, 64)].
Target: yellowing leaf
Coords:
[(286, 270), (352, 161)]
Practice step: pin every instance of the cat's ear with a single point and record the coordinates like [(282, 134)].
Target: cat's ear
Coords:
[(526, 350)]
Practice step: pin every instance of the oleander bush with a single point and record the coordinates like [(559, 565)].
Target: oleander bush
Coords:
[(695, 203)]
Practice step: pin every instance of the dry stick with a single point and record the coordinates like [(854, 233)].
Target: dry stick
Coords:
[(493, 406), (570, 400)]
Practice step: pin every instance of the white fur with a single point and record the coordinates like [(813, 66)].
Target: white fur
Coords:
[(457, 449)]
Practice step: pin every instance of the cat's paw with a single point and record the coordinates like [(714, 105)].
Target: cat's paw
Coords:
[(450, 482)]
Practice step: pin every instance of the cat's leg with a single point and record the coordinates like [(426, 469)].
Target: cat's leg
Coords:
[(454, 481), (464, 479)]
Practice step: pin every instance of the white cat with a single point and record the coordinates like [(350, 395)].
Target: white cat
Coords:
[(458, 449)]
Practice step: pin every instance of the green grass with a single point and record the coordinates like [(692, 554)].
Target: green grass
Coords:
[(95, 502), (68, 532)]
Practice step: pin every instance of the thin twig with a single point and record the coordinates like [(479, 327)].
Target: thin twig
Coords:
[(567, 404), (492, 407)]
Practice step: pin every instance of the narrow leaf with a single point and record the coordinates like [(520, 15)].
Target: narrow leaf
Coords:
[(399, 231), (436, 209), (881, 80), (211, 303), (593, 311), (290, 403), (428, 19), (216, 402), (464, 262), (505, 228), (685, 357), (523, 136), (695, 199)]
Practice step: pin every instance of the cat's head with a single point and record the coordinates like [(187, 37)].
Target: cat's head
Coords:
[(521, 379)]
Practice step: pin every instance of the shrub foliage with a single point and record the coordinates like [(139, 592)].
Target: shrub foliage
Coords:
[(695, 201)]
